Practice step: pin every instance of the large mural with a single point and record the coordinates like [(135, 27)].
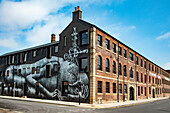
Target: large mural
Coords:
[(62, 81)]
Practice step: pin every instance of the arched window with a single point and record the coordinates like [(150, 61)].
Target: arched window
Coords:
[(114, 67), (131, 72), (99, 63), (107, 65), (120, 69)]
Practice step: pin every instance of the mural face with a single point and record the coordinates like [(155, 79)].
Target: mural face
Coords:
[(51, 78)]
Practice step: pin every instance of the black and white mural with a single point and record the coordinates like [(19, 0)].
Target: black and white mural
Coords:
[(53, 77)]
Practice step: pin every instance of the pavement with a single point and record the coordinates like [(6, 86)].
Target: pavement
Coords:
[(86, 105)]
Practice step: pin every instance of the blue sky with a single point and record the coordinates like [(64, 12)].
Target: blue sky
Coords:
[(144, 25)]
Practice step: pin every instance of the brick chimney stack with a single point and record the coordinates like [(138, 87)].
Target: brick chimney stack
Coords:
[(77, 14), (52, 38)]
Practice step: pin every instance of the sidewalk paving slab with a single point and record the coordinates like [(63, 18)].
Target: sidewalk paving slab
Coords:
[(86, 105)]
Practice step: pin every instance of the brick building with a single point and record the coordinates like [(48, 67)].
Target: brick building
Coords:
[(85, 63)]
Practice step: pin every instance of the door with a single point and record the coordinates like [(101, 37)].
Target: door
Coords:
[(131, 93), (64, 88), (153, 93), (25, 89)]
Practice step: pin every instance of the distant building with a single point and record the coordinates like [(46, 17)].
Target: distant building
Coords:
[(85, 63)]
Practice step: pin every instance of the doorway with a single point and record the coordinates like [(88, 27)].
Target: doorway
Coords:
[(131, 93), (153, 93)]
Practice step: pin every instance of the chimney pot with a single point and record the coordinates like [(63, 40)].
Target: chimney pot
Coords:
[(78, 7), (75, 8), (52, 38)]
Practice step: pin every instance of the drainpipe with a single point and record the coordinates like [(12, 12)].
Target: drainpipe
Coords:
[(118, 75)]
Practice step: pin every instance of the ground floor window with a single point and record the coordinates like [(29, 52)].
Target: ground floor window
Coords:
[(141, 89), (114, 87), (120, 88), (107, 87), (99, 86), (138, 90), (125, 88)]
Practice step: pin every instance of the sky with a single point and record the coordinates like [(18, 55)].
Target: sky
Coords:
[(143, 25)]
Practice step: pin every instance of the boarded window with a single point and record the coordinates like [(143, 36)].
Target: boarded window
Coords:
[(8, 73), (48, 70), (33, 70), (38, 70), (49, 52), (83, 64), (56, 49)]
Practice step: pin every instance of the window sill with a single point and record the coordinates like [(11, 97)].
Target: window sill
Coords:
[(100, 46), (108, 50), (108, 72), (99, 93), (107, 93), (100, 71)]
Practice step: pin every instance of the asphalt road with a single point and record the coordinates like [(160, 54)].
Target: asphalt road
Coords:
[(12, 106)]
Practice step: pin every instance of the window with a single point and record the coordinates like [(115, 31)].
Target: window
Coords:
[(153, 80), (114, 67), (145, 78), (99, 86), (124, 52), (152, 68), (141, 62), (19, 72), (131, 72), (56, 49), (1, 73), (107, 65), (13, 59), (120, 88), (120, 69), (99, 63), (137, 62), (149, 90), (149, 79), (131, 56), (125, 88), (38, 70), (107, 87), (7, 73), (107, 44), (56, 67), (149, 67), (114, 87), (145, 91), (84, 38), (144, 64), (65, 41), (48, 70), (83, 64), (33, 70), (114, 47), (25, 57), (49, 52), (99, 40), (34, 53), (124, 68), (119, 50), (138, 90), (141, 89), (141, 77), (137, 77), (155, 69)]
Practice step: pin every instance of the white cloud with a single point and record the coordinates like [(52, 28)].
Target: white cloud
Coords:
[(9, 43), (16, 16), (164, 36), (167, 65)]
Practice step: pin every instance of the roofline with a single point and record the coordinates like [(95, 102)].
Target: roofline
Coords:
[(31, 48)]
